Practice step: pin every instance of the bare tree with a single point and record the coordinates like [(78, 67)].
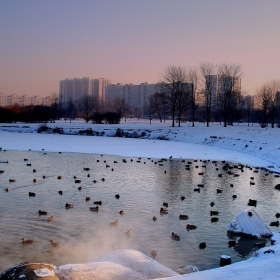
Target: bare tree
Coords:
[(70, 109), (160, 105), (207, 72), (192, 79), (172, 85), (54, 105), (274, 86), (149, 108), (87, 104), (267, 100), (121, 107), (228, 80), (248, 105)]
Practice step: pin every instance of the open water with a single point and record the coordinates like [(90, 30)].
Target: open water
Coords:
[(143, 185)]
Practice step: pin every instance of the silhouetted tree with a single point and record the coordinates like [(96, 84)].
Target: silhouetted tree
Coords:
[(173, 81), (54, 105), (228, 79), (86, 105), (192, 79), (207, 71)]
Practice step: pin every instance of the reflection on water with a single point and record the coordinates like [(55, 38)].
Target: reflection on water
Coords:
[(143, 185)]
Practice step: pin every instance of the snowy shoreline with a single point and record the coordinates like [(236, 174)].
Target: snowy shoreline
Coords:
[(199, 142)]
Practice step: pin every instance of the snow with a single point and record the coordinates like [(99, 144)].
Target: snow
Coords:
[(250, 145)]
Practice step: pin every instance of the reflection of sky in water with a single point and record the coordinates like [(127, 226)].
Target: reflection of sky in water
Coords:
[(143, 186)]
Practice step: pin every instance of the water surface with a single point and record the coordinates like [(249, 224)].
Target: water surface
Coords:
[(143, 185)]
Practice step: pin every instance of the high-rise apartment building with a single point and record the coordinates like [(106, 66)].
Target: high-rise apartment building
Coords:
[(134, 95), (74, 89), (97, 89)]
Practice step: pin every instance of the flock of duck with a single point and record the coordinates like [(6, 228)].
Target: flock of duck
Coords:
[(227, 168)]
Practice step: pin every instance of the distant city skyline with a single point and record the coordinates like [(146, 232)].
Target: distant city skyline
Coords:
[(43, 42)]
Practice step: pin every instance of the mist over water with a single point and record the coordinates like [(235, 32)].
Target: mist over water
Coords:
[(143, 185)]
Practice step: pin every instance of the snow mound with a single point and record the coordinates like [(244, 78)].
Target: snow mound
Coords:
[(119, 265)]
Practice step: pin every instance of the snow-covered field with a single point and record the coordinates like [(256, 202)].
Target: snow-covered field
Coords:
[(239, 143)]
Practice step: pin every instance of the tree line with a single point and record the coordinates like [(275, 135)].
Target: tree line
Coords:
[(212, 93), (209, 93)]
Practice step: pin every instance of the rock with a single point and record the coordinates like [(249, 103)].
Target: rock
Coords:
[(186, 269), (30, 271)]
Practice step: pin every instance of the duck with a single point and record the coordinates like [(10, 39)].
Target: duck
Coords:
[(274, 224), (252, 202), (165, 204), (26, 242), (42, 212), (78, 181), (32, 194), (94, 209), (196, 190), (154, 253), (182, 198), (117, 196), (12, 180), (128, 233), (277, 215), (51, 218), (214, 213), (234, 196), (175, 236), (212, 204), (60, 192), (190, 227), (163, 210), (7, 189), (219, 191), (69, 205), (86, 169), (183, 217), (202, 245), (122, 212), (214, 219), (35, 180), (88, 175), (154, 218), (54, 244), (103, 179), (80, 188), (94, 181), (97, 202), (34, 170), (44, 177), (59, 177), (88, 198), (115, 223)]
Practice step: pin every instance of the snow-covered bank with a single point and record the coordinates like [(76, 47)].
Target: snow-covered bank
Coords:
[(198, 142), (251, 145)]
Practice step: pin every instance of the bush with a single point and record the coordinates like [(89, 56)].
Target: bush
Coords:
[(97, 118), (58, 130), (43, 128), (112, 118)]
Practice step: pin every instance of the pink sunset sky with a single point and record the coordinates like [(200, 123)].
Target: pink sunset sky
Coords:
[(129, 41)]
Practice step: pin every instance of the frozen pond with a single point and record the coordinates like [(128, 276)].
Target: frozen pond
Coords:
[(143, 185)]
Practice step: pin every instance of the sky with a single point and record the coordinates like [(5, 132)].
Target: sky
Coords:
[(129, 41)]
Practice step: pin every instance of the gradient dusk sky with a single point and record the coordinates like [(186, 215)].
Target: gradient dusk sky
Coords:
[(132, 41)]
